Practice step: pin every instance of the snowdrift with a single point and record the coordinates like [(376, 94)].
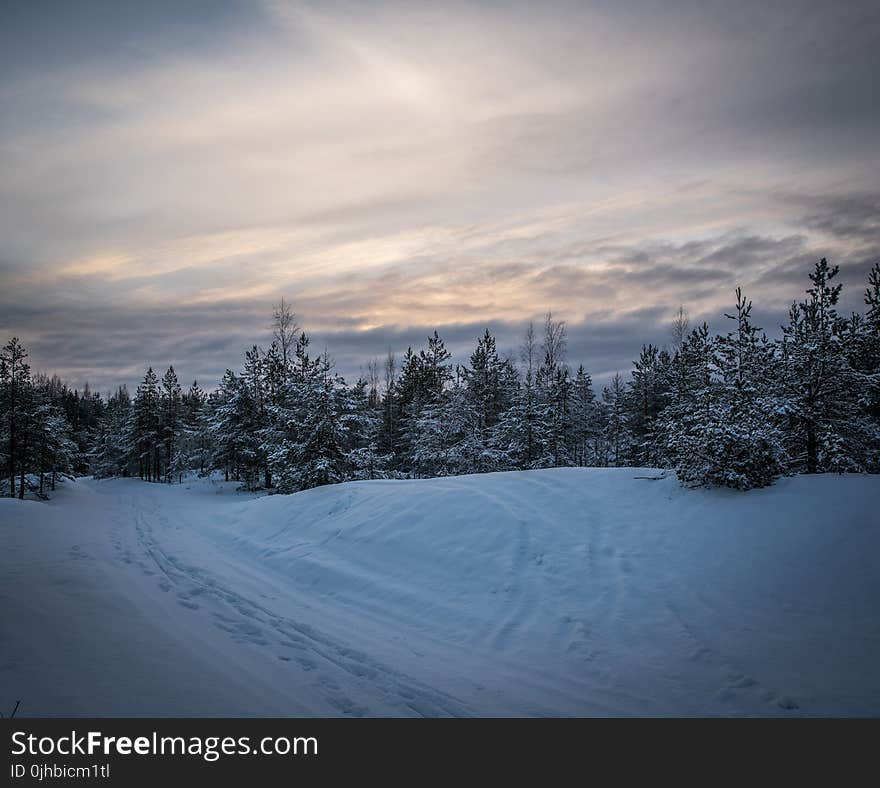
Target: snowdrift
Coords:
[(556, 592)]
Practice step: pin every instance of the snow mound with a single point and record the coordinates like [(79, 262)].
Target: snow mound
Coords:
[(555, 592)]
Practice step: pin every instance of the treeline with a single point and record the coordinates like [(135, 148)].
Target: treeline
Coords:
[(46, 428), (735, 409)]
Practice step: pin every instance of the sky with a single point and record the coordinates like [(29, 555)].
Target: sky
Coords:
[(169, 171)]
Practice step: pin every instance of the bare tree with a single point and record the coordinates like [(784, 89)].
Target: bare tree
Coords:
[(527, 355), (527, 351), (373, 381), (679, 331), (284, 330), (679, 328), (555, 342), (390, 371), (390, 379)]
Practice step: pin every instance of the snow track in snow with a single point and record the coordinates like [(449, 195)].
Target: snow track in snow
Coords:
[(249, 621)]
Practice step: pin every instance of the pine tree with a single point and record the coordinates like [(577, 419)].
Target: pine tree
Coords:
[(145, 433), (521, 436), (15, 393), (195, 436), (584, 417), (422, 382), (54, 448), (111, 451), (722, 430), (475, 408), (646, 401), (363, 423), (681, 431), (320, 457), (618, 438), (553, 396), (864, 344), (390, 410), (171, 423), (827, 430), (224, 426), (440, 444)]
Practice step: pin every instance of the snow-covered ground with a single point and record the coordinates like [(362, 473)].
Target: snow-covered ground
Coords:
[(559, 592)]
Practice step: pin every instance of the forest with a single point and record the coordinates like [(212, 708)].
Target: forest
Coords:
[(734, 409)]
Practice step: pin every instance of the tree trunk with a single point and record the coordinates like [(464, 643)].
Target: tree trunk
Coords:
[(812, 449), (168, 452), (12, 445)]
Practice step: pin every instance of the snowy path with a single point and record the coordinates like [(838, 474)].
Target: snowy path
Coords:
[(549, 592)]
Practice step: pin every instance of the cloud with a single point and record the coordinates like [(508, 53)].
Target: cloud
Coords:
[(393, 168), (851, 217)]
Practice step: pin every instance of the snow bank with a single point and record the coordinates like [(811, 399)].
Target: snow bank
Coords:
[(568, 591)]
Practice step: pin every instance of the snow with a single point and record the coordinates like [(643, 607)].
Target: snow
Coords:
[(555, 592)]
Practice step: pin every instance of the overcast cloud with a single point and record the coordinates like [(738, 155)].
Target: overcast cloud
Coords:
[(389, 168)]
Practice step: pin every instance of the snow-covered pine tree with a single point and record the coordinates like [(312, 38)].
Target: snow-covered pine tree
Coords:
[(171, 423), (224, 426), (521, 434), (423, 379), (647, 398), (435, 365), (145, 435), (320, 457), (15, 384), (682, 428), (864, 344), (475, 408), (724, 430), (390, 410), (111, 453), (278, 383), (28, 434), (440, 435), (553, 384), (363, 421), (827, 430), (584, 420), (284, 436), (83, 412), (618, 438), (599, 448), (252, 412), (55, 451), (195, 455)]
